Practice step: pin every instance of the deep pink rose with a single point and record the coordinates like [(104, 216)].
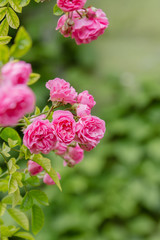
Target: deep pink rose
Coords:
[(64, 125), (74, 155), (15, 102), (40, 136), (34, 168), (83, 110), (70, 5), (90, 26), (14, 73), (61, 91), (60, 148), (48, 180), (89, 131), (86, 98), (64, 25)]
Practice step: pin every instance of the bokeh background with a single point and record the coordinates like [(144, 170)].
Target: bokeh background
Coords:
[(114, 194)]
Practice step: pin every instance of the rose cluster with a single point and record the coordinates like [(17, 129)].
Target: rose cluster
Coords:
[(69, 132), (82, 24), (16, 99)]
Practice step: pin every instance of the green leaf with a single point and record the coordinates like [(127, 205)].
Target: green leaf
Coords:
[(27, 202), (43, 162), (10, 133), (33, 181), (12, 18), (3, 2), (24, 235), (37, 219), (15, 5), (7, 231), (3, 12), (37, 111), (2, 208), (5, 40), (3, 185), (40, 196), (4, 28), (12, 143), (52, 173), (16, 198), (22, 43), (5, 150), (45, 109), (25, 152), (19, 217), (23, 3), (4, 54), (57, 11), (12, 184), (12, 166), (34, 77)]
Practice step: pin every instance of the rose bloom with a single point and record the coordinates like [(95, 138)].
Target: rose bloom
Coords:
[(16, 72), (64, 125), (89, 27), (83, 110), (60, 148), (48, 180), (15, 102), (65, 25), (86, 98), (34, 168), (61, 91), (70, 5), (40, 136), (89, 131), (74, 155)]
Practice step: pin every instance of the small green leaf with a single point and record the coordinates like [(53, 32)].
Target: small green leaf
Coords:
[(12, 18), (43, 162), (15, 5), (4, 55), (4, 28), (12, 143), (5, 150), (24, 235), (10, 133), (3, 2), (3, 12), (12, 184), (5, 39), (40, 196), (27, 202), (16, 198), (33, 181), (45, 109), (19, 217), (37, 111), (37, 219), (57, 11), (3, 185), (34, 77), (25, 152), (23, 3), (2, 208), (12, 166), (52, 173), (22, 43)]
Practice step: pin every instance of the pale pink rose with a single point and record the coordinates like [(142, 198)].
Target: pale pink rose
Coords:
[(64, 125), (89, 131), (64, 25), (14, 73), (60, 148), (86, 98), (15, 102), (70, 5), (74, 155), (90, 26), (34, 168), (48, 180), (83, 110), (40, 136), (61, 91)]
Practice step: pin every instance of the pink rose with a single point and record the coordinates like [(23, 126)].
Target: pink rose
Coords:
[(83, 110), (15, 102), (89, 27), (40, 136), (65, 25), (64, 125), (61, 91), (34, 168), (48, 180), (14, 73), (60, 148), (86, 98), (89, 131), (74, 155), (70, 5)]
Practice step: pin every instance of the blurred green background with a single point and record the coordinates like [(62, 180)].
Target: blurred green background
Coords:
[(114, 194)]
